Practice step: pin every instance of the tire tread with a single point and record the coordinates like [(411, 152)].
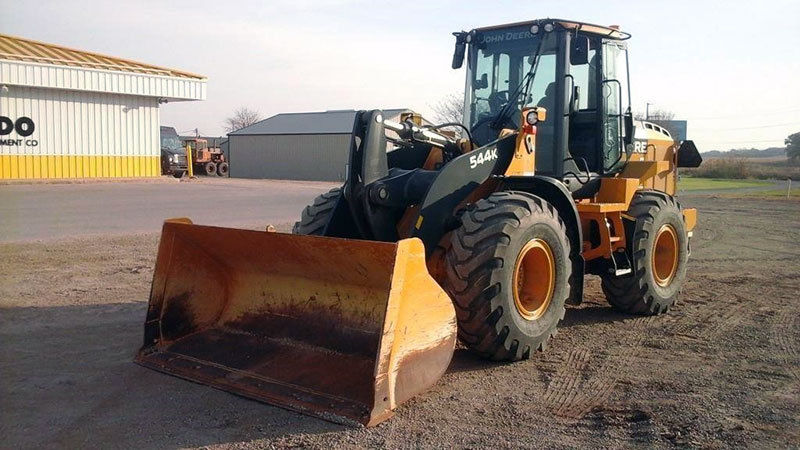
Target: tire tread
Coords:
[(634, 294), (315, 216), (488, 227)]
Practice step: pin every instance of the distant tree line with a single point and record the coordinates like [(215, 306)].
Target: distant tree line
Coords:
[(747, 153), (793, 147)]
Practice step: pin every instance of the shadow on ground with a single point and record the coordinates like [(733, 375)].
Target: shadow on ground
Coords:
[(466, 361), (67, 380), (588, 313), (592, 313)]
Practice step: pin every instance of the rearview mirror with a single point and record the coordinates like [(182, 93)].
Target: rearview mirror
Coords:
[(629, 130), (579, 51), (461, 46)]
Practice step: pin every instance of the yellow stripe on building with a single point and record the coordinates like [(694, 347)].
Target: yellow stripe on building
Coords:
[(62, 166)]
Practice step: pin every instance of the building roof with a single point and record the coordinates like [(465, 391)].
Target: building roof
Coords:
[(19, 49), (324, 122)]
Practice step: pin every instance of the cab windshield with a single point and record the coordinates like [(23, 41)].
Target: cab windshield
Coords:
[(171, 143), (197, 144), (499, 62)]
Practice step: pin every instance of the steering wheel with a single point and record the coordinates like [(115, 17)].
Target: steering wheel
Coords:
[(483, 132), (497, 100)]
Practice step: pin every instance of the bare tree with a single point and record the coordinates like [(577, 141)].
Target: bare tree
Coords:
[(242, 117), (449, 109), (793, 148), (656, 114)]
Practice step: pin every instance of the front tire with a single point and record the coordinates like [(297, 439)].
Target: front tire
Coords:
[(659, 246), (222, 169), (507, 272), (316, 215)]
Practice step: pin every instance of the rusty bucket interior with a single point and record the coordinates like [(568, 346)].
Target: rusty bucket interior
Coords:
[(342, 329)]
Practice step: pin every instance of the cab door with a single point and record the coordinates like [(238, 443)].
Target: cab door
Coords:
[(615, 111)]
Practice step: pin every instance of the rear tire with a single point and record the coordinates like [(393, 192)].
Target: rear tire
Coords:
[(222, 169), (657, 276), (179, 174), (316, 215), (210, 168), (484, 266)]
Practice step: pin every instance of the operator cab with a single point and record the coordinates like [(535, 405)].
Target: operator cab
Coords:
[(577, 71)]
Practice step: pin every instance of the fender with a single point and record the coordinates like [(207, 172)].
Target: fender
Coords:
[(456, 180), (557, 195)]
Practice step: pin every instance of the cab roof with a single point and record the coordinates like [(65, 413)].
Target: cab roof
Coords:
[(600, 30)]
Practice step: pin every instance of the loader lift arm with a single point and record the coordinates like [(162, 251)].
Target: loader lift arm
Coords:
[(376, 196)]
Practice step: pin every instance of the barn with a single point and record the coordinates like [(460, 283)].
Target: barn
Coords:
[(296, 146)]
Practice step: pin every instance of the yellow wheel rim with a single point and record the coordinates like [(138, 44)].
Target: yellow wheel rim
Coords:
[(534, 279), (665, 255)]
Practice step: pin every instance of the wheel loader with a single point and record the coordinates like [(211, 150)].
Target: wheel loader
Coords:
[(434, 238), (207, 160)]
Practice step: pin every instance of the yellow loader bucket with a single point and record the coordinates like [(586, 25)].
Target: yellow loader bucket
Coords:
[(337, 328)]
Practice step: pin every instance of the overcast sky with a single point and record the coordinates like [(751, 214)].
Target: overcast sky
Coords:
[(729, 67)]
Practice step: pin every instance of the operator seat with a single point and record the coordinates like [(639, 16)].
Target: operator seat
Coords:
[(575, 176)]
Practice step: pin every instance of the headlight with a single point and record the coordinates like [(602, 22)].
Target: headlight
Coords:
[(548, 27), (532, 118), (535, 115), (170, 158)]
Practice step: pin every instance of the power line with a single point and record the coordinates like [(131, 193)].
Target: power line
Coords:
[(742, 114), (742, 142), (750, 128)]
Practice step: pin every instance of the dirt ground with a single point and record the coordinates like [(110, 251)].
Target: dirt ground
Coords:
[(721, 369)]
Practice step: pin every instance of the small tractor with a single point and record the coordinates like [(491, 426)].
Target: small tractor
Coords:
[(484, 238), (207, 160)]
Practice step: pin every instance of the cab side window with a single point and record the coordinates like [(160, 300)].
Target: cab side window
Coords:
[(615, 103), (584, 76)]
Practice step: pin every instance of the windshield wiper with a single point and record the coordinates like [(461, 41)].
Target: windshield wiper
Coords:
[(527, 82)]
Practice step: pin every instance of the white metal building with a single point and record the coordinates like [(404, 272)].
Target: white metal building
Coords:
[(67, 113)]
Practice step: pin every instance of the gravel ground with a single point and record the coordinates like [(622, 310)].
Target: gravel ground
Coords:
[(721, 369), (101, 208)]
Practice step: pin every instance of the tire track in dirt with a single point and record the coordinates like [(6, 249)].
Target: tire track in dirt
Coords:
[(576, 390), (706, 237), (567, 378), (702, 323), (784, 336)]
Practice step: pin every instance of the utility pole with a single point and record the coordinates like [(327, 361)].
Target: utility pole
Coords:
[(647, 111)]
